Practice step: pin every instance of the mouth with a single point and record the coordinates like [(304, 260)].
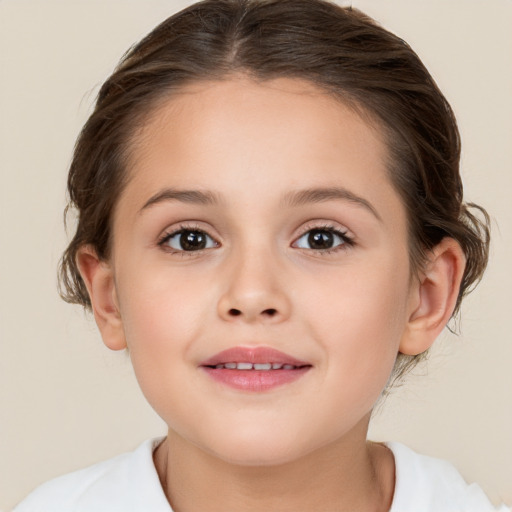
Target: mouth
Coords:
[(254, 369), (255, 366)]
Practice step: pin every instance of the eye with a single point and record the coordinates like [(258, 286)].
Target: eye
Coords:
[(188, 240), (322, 239)]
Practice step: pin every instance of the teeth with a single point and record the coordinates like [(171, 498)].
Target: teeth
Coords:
[(262, 366), (255, 366), (244, 366)]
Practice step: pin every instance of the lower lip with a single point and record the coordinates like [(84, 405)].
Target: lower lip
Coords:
[(255, 380)]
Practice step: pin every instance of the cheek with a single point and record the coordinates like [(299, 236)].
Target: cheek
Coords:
[(361, 337), (359, 317), (160, 312), (160, 306)]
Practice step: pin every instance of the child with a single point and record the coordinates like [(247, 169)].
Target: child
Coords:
[(271, 222)]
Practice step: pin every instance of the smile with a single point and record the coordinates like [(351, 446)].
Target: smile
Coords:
[(254, 369), (256, 366)]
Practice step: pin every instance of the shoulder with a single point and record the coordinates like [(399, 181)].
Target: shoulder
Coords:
[(125, 483), (427, 484)]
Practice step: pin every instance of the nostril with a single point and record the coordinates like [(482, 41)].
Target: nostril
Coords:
[(270, 312)]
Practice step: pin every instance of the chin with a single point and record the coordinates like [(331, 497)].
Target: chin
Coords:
[(261, 447), (256, 456)]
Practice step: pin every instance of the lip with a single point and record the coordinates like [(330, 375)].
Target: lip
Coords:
[(254, 380), (253, 355)]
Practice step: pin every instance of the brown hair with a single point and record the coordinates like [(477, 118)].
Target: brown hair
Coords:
[(341, 50)]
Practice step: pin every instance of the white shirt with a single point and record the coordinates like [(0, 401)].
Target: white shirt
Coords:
[(129, 483)]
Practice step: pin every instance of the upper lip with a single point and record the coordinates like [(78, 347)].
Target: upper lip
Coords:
[(253, 355)]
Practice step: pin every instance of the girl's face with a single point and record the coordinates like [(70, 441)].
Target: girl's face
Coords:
[(261, 216)]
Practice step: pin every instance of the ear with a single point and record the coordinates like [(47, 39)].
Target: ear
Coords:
[(433, 297), (99, 280)]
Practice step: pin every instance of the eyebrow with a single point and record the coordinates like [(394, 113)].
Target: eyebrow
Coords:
[(293, 199), (184, 196), (320, 195)]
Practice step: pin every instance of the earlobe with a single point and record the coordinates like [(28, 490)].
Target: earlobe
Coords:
[(99, 280), (434, 297)]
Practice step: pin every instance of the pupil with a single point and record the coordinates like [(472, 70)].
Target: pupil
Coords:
[(320, 239), (192, 240)]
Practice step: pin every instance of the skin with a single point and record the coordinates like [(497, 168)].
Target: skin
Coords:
[(347, 311)]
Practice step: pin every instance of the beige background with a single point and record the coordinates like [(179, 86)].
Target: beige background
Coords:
[(66, 401)]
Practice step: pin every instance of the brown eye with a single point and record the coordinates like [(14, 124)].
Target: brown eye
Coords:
[(318, 239), (190, 240), (322, 239)]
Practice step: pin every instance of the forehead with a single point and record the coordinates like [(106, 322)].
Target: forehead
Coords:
[(269, 136)]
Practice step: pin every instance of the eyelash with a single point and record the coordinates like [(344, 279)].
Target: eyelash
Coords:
[(346, 239), (182, 229)]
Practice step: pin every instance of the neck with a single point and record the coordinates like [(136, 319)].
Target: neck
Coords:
[(343, 476)]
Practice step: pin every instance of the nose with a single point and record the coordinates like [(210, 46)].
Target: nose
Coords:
[(254, 291)]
